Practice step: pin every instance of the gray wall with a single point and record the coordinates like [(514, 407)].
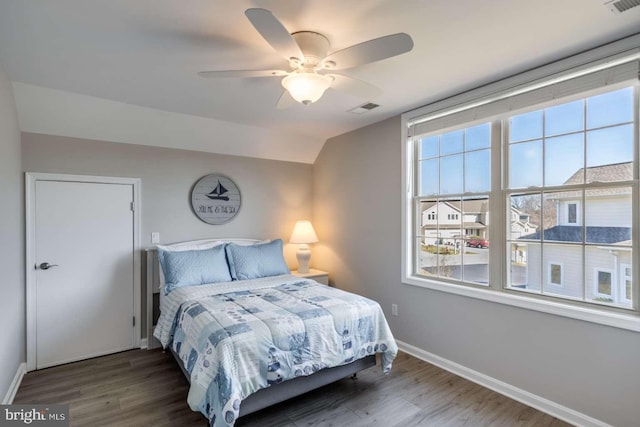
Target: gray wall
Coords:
[(274, 194), (12, 302), (357, 213)]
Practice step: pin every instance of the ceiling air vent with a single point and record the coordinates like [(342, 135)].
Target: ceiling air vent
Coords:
[(619, 6), (364, 108)]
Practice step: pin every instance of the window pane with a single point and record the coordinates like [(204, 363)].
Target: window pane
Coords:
[(604, 273), (604, 283), (555, 274), (526, 126), (562, 216), (477, 175), (525, 216), (608, 147), (451, 143), (429, 175), (476, 240), (478, 137), (525, 164), (564, 118), (428, 147), (608, 216), (451, 174), (563, 270), (524, 267), (610, 108), (564, 160)]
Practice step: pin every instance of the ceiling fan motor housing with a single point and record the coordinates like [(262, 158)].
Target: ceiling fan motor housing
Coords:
[(314, 46)]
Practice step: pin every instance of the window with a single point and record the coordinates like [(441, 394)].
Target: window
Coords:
[(556, 173), (454, 174), (626, 283), (555, 274), (572, 213), (604, 290)]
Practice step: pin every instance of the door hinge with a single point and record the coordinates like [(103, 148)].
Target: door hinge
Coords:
[(133, 206), (134, 320)]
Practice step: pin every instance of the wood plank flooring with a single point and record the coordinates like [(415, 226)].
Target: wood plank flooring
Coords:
[(146, 388)]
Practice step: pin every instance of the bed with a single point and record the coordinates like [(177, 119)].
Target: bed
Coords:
[(248, 334)]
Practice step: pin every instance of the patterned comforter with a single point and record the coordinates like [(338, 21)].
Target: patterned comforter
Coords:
[(238, 337)]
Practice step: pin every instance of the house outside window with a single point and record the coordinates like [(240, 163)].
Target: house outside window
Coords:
[(572, 213), (562, 186)]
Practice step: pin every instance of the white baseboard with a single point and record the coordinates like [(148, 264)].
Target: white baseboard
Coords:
[(547, 406), (15, 384), (144, 343)]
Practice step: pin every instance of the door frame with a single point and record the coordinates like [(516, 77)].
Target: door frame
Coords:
[(30, 274)]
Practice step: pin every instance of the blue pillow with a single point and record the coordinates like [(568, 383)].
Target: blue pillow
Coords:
[(255, 261), (188, 268)]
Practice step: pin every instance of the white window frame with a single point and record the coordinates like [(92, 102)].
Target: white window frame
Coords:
[(578, 219), (550, 283), (596, 283), (600, 58), (621, 283)]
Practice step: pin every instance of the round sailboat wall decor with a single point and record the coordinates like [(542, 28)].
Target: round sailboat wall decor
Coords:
[(215, 199)]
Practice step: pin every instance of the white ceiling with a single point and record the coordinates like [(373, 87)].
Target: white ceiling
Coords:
[(147, 52)]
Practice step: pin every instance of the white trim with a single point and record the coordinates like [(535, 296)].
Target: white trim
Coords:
[(30, 182), (144, 343), (596, 283), (577, 205), (549, 274), (622, 285), (15, 384), (545, 405)]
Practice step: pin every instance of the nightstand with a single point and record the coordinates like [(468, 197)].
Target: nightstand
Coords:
[(317, 275)]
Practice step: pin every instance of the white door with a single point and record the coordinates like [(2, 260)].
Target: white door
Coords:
[(85, 298)]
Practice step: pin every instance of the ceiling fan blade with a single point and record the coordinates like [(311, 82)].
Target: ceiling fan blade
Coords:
[(369, 51), (272, 30), (286, 101), (242, 73), (355, 87)]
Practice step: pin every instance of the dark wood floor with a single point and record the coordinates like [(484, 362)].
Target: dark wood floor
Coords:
[(146, 388)]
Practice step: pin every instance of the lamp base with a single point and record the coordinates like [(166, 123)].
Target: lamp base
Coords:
[(303, 255)]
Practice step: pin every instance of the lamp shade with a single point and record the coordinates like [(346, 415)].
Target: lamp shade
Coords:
[(306, 87), (303, 233)]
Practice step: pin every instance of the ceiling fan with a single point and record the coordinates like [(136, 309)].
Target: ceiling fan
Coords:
[(312, 66)]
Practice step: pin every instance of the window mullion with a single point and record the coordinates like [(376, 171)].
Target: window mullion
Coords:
[(635, 204), (497, 210)]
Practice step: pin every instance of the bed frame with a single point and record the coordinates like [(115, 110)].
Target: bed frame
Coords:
[(263, 398), (285, 390)]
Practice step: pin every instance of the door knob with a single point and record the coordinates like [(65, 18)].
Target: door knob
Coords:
[(46, 266)]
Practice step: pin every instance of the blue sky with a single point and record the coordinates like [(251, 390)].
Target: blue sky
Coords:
[(544, 145)]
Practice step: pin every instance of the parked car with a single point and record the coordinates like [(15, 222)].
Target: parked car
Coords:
[(478, 243)]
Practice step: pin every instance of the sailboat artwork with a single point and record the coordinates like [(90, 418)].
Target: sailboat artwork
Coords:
[(218, 193), (215, 199)]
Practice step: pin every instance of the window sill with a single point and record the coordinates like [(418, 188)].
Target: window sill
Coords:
[(617, 320)]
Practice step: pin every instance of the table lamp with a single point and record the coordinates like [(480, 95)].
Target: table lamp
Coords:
[(303, 234)]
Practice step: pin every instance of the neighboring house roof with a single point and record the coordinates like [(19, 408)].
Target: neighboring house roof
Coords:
[(572, 233), (615, 172), (605, 173), (470, 206)]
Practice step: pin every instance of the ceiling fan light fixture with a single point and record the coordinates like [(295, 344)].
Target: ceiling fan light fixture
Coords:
[(306, 87)]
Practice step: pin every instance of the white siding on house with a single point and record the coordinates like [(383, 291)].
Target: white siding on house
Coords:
[(608, 211)]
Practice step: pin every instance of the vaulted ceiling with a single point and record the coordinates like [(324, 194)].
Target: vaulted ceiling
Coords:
[(146, 53)]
